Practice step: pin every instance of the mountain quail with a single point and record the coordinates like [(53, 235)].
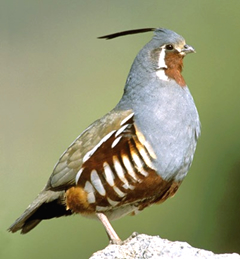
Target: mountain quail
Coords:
[(137, 154)]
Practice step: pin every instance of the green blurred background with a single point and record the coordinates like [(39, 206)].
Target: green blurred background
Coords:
[(56, 78)]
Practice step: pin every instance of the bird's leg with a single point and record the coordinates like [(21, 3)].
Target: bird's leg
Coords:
[(113, 237)]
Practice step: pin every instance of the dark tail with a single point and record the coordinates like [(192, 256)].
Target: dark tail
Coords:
[(48, 204)]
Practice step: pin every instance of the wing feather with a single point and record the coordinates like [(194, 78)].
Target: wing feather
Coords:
[(71, 161)]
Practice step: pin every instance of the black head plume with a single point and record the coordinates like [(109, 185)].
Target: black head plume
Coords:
[(118, 34)]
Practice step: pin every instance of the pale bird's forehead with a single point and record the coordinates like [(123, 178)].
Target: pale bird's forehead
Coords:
[(179, 46), (162, 39)]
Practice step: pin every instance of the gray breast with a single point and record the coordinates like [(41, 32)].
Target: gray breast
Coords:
[(168, 118)]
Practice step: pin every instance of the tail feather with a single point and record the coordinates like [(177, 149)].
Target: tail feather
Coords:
[(48, 204), (29, 225)]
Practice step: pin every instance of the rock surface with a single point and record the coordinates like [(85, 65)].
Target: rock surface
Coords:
[(153, 247)]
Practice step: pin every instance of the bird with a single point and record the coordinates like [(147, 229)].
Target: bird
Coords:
[(137, 154)]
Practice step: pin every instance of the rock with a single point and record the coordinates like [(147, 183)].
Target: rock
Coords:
[(152, 247)]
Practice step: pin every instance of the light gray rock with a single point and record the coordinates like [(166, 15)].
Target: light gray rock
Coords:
[(153, 247)]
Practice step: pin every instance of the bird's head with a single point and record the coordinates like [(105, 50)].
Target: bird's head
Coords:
[(162, 56), (165, 52)]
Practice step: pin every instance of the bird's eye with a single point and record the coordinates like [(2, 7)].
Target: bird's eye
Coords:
[(169, 47)]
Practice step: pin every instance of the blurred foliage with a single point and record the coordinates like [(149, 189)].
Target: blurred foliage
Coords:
[(56, 78)]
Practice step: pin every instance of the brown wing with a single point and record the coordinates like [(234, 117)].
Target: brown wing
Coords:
[(118, 171), (71, 161)]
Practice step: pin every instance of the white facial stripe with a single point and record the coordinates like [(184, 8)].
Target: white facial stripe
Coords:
[(109, 175), (161, 60), (162, 66), (78, 175), (161, 75), (95, 179), (126, 119)]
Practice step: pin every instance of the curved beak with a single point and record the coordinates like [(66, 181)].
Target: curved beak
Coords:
[(187, 49)]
